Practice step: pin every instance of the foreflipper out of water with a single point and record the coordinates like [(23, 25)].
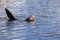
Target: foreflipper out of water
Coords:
[(9, 15)]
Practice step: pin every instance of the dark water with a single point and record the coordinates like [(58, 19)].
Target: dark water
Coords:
[(45, 27)]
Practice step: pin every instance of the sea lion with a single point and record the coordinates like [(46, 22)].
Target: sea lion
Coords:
[(11, 17)]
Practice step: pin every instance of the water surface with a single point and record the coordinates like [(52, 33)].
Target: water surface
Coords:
[(46, 25)]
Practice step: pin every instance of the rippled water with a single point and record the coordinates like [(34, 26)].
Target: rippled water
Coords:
[(45, 27)]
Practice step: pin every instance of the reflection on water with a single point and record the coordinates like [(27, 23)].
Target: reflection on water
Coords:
[(46, 25)]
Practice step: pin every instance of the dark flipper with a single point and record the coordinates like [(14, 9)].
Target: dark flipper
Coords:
[(10, 16)]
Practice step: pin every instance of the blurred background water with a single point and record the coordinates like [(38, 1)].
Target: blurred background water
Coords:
[(45, 27)]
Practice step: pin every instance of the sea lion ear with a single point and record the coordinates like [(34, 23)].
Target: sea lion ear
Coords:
[(9, 14)]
